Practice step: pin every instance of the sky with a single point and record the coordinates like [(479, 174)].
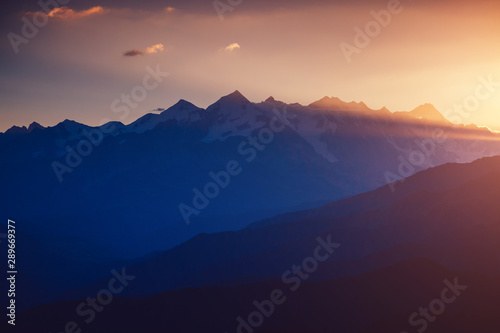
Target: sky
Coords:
[(85, 55)]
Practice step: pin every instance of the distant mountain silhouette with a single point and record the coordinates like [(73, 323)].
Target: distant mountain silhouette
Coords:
[(427, 113), (336, 104), (448, 214), (378, 301), (397, 251)]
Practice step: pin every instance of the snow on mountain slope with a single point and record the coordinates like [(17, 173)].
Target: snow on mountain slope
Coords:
[(182, 112), (233, 115), (325, 124)]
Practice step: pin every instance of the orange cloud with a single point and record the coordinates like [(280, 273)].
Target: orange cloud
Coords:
[(155, 48), (169, 9), (232, 47), (68, 13)]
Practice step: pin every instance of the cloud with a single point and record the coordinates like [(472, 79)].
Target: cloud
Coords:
[(150, 50), (232, 47), (68, 13), (133, 53), (155, 48)]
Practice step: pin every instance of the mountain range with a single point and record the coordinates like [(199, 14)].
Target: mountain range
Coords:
[(91, 199), (395, 252)]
